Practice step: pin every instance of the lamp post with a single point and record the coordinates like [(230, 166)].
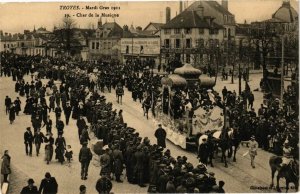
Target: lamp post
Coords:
[(282, 71), (218, 61), (183, 51)]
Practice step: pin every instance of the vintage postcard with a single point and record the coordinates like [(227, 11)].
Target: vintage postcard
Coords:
[(149, 96)]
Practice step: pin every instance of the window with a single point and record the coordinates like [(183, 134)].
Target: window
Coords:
[(97, 45), (201, 31), (188, 43), (217, 42), (187, 31), (216, 31), (188, 58), (167, 31), (127, 49), (225, 18), (22, 44), (211, 43), (225, 32), (200, 42), (93, 45), (98, 34), (177, 43), (177, 31), (4, 45), (167, 43), (7, 45)]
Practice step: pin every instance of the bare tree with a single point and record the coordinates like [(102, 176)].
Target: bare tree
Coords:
[(68, 23)]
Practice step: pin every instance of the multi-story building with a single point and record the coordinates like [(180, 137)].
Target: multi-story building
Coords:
[(7, 42), (140, 45), (219, 12), (190, 37), (105, 43)]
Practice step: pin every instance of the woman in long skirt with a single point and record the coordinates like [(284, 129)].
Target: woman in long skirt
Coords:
[(49, 148), (60, 143)]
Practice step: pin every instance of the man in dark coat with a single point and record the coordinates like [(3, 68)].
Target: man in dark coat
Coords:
[(60, 126), (48, 185), (118, 163), (203, 152), (139, 166), (160, 135), (38, 140), (7, 104), (85, 156), (30, 188), (81, 124), (68, 110), (57, 112), (105, 162), (12, 113), (28, 139)]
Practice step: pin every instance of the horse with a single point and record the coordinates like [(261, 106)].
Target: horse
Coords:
[(119, 94), (226, 140), (146, 106), (289, 172)]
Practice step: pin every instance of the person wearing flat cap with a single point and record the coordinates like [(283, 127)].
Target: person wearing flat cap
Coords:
[(253, 145), (85, 156), (30, 188)]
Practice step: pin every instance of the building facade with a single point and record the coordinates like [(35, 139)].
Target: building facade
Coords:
[(190, 38), (105, 43)]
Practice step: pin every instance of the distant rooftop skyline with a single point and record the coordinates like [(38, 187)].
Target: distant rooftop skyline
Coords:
[(17, 17)]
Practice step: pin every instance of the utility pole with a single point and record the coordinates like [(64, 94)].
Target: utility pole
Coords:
[(282, 71)]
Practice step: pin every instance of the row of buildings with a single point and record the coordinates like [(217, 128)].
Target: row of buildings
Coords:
[(194, 36)]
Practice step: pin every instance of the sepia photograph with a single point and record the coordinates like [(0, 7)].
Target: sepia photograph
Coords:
[(188, 96)]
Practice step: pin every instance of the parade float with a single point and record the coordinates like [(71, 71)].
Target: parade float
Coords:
[(184, 131)]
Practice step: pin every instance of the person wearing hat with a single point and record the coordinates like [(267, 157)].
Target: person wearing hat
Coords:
[(85, 156), (104, 185), (68, 110), (28, 139), (105, 162), (82, 189), (48, 185), (160, 135), (253, 145), (30, 188)]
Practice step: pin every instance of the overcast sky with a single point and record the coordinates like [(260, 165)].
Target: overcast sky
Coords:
[(15, 17)]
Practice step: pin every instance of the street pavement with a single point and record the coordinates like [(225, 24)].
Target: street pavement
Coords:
[(238, 177)]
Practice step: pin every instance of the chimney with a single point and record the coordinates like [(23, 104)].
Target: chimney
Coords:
[(225, 4), (6, 34), (168, 14), (201, 11), (125, 28), (180, 7)]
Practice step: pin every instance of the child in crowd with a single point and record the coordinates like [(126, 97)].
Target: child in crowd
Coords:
[(69, 153)]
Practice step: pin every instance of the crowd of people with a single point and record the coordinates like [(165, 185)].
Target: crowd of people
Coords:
[(144, 163), (79, 95)]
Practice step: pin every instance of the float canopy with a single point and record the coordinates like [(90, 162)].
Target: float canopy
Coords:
[(174, 80), (187, 70)]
